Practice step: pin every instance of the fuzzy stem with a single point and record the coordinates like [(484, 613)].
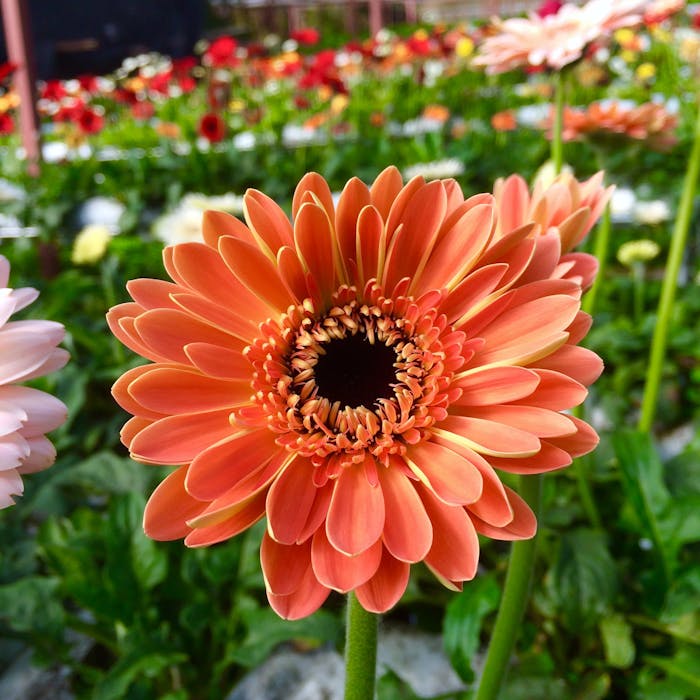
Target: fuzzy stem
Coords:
[(600, 252), (670, 282), (514, 601), (360, 651)]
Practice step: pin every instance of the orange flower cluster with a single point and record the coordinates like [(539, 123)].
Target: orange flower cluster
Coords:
[(649, 122)]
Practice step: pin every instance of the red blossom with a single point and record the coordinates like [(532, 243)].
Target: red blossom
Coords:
[(549, 7), (222, 53), (212, 127), (6, 69), (88, 83), (53, 90), (307, 36), (142, 110), (7, 124), (89, 121)]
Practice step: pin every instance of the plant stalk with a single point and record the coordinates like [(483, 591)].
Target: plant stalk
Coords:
[(360, 651), (557, 151), (668, 289), (514, 601)]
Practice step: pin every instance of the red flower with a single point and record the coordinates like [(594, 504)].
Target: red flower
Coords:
[(7, 124), (212, 127), (306, 36), (53, 90), (221, 53), (142, 110), (90, 122), (549, 7), (88, 83), (6, 69)]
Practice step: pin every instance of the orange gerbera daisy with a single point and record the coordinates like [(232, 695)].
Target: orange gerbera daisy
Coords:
[(565, 211), (356, 376), (649, 122)]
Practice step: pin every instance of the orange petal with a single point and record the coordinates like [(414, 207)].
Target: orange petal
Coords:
[(222, 363), (353, 199), (513, 198), (582, 442), (179, 439), (408, 533), (472, 290), (317, 513), (120, 320), (283, 565), (292, 272), (386, 587), (315, 243), (451, 477), (538, 421), (172, 391), (167, 331), (370, 245), (522, 527), (547, 459), (316, 185), (290, 500), (491, 385), (555, 391), (409, 249), (581, 364), (544, 260), (459, 249), (170, 507), (247, 515), (385, 189), (220, 466), (216, 224), (267, 221), (256, 272), (339, 571), (398, 206), (120, 391), (487, 437), (454, 554), (305, 600), (132, 428), (356, 514), (153, 294), (223, 318)]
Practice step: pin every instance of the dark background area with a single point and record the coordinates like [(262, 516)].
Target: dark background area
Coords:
[(73, 37)]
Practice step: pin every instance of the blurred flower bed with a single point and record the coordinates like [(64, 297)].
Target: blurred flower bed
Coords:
[(131, 161)]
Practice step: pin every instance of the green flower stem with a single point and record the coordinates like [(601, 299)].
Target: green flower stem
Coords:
[(638, 269), (557, 127), (600, 252), (670, 282), (513, 602), (360, 651)]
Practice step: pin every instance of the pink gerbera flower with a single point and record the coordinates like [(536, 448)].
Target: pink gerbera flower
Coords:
[(356, 376), (554, 40), (27, 350)]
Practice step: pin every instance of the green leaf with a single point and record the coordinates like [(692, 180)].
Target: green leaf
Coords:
[(265, 630), (32, 605), (595, 688), (643, 484), (583, 579), (129, 668), (617, 641), (107, 473), (148, 559), (462, 624)]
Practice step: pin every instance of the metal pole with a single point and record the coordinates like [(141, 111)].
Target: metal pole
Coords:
[(15, 17)]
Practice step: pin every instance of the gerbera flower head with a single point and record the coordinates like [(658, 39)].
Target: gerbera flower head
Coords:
[(356, 376), (650, 122), (557, 39), (562, 206), (27, 350)]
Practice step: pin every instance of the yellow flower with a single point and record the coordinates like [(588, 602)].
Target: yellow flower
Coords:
[(628, 56), (645, 71), (638, 251), (464, 47), (90, 244), (338, 104), (624, 36)]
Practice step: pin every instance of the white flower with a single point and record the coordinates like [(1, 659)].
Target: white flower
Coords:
[(652, 212), (533, 115), (622, 205), (183, 225), (9, 192), (229, 202), (435, 170), (638, 251), (101, 211), (245, 141)]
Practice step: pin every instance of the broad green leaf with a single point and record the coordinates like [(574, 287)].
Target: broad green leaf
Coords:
[(31, 605), (617, 641), (106, 472), (148, 559), (583, 579), (595, 688), (462, 624), (265, 630)]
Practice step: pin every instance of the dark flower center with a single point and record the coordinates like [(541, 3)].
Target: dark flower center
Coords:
[(355, 372)]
